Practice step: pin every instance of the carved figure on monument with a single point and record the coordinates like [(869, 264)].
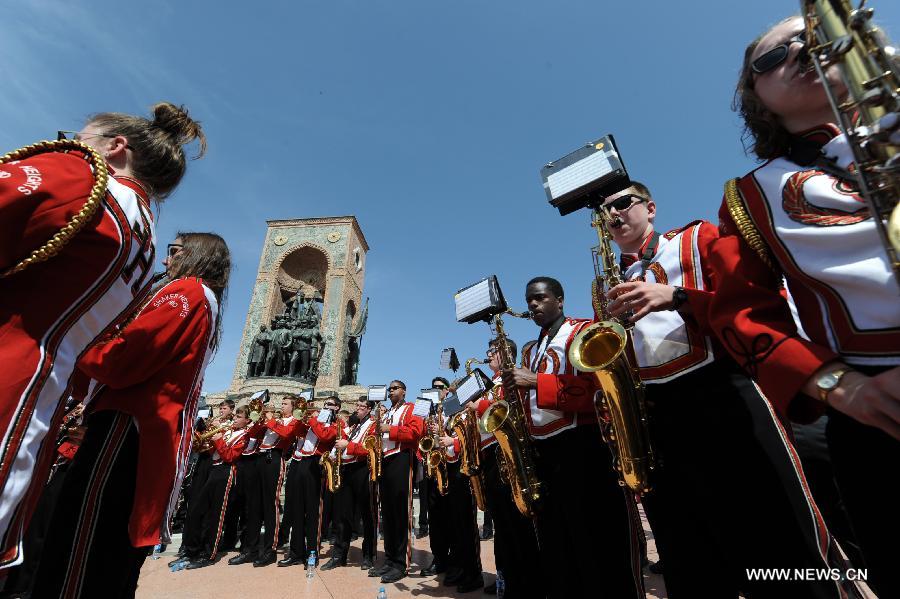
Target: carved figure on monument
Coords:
[(354, 344), (316, 352), (259, 350), (279, 349), (301, 338)]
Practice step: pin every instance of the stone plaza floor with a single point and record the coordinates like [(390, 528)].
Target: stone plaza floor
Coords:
[(221, 581)]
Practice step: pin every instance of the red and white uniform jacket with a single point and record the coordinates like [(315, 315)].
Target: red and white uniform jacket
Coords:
[(315, 438), (280, 434), (230, 447), (667, 346), (814, 232), (355, 452), (481, 406), (406, 429), (564, 397), (255, 433), (153, 370), (52, 311)]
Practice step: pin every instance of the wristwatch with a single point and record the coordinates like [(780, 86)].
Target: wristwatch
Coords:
[(679, 298), (829, 381)]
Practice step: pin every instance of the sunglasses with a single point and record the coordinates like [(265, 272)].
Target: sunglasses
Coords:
[(173, 248), (77, 136), (440, 386), (394, 388), (624, 203), (776, 55)]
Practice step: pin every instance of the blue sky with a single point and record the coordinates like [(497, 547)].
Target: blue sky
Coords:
[(427, 120)]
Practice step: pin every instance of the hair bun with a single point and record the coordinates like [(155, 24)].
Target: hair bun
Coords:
[(175, 121)]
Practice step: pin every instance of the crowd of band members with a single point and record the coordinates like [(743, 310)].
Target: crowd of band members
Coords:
[(747, 336)]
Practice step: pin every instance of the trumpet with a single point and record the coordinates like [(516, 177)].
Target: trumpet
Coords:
[(204, 437), (256, 409)]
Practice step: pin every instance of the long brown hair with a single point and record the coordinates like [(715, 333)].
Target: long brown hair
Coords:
[(205, 255), (763, 135), (158, 158)]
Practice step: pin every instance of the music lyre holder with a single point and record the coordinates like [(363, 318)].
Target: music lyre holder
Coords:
[(586, 177)]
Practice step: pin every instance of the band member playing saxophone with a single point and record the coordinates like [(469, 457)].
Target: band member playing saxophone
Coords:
[(703, 505), (584, 529)]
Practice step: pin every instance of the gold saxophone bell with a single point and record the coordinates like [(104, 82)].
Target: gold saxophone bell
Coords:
[(598, 346)]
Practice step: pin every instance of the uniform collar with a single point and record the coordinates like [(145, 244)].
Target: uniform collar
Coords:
[(627, 259), (806, 146)]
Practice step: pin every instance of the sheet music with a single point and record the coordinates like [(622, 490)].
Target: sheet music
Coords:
[(473, 299), (470, 388), (377, 393), (431, 394), (579, 174), (422, 408)]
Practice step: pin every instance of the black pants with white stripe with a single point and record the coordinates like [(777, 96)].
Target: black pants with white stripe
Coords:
[(351, 499), (210, 511), (272, 469), (395, 487), (727, 491), (87, 552), (249, 489), (306, 508)]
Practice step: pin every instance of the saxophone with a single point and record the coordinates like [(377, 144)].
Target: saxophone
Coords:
[(505, 419), (374, 445), (838, 34), (331, 464), (470, 454), (606, 348), (434, 454)]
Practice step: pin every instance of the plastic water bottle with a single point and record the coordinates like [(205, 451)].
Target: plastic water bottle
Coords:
[(381, 594), (157, 549), (501, 585), (179, 565), (311, 565)]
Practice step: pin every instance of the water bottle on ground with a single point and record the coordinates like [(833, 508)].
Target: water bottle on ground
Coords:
[(179, 565), (311, 565), (381, 594), (501, 585), (157, 549)]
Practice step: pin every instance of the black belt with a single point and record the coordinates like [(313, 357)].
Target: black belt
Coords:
[(269, 451)]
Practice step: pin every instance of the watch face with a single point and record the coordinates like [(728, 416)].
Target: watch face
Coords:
[(828, 381)]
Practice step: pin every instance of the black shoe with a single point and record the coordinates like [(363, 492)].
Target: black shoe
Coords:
[(182, 552), (241, 558), (393, 575), (333, 563), (454, 576), (487, 532), (435, 568), (467, 586), (267, 558), (379, 571), (491, 589), (199, 563), (290, 560), (422, 532), (367, 563), (656, 568)]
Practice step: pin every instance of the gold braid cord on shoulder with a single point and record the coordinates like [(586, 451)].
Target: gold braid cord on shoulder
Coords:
[(744, 222), (101, 176)]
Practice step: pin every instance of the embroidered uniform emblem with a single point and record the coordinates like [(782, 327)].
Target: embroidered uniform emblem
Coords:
[(659, 273), (799, 209)]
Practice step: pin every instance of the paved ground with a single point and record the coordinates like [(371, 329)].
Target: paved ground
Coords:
[(222, 581)]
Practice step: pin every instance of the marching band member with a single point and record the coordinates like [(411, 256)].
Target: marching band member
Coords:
[(276, 442), (123, 485), (799, 219), (305, 478), (515, 543), (702, 507), (52, 311), (576, 546), (463, 556), (354, 497), (440, 524), (249, 495), (401, 431)]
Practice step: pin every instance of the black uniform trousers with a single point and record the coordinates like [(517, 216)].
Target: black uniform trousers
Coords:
[(727, 493), (353, 498), (515, 544), (249, 491), (440, 524), (291, 488), (306, 506), (272, 472), (210, 510), (465, 543), (865, 459), (395, 488), (87, 552), (424, 487), (588, 547)]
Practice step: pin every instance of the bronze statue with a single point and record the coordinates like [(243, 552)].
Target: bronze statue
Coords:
[(259, 350)]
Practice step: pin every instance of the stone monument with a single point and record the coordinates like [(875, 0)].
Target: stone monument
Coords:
[(305, 323)]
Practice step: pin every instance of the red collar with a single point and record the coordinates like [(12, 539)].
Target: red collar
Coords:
[(629, 259), (134, 185)]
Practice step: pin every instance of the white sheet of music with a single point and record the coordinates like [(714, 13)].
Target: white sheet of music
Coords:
[(469, 389)]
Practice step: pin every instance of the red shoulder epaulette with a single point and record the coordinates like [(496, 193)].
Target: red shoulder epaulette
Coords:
[(671, 234)]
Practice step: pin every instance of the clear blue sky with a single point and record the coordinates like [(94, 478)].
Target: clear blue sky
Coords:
[(427, 120)]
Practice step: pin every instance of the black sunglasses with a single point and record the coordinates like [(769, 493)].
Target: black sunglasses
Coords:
[(624, 203), (776, 55), (394, 388), (173, 248)]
